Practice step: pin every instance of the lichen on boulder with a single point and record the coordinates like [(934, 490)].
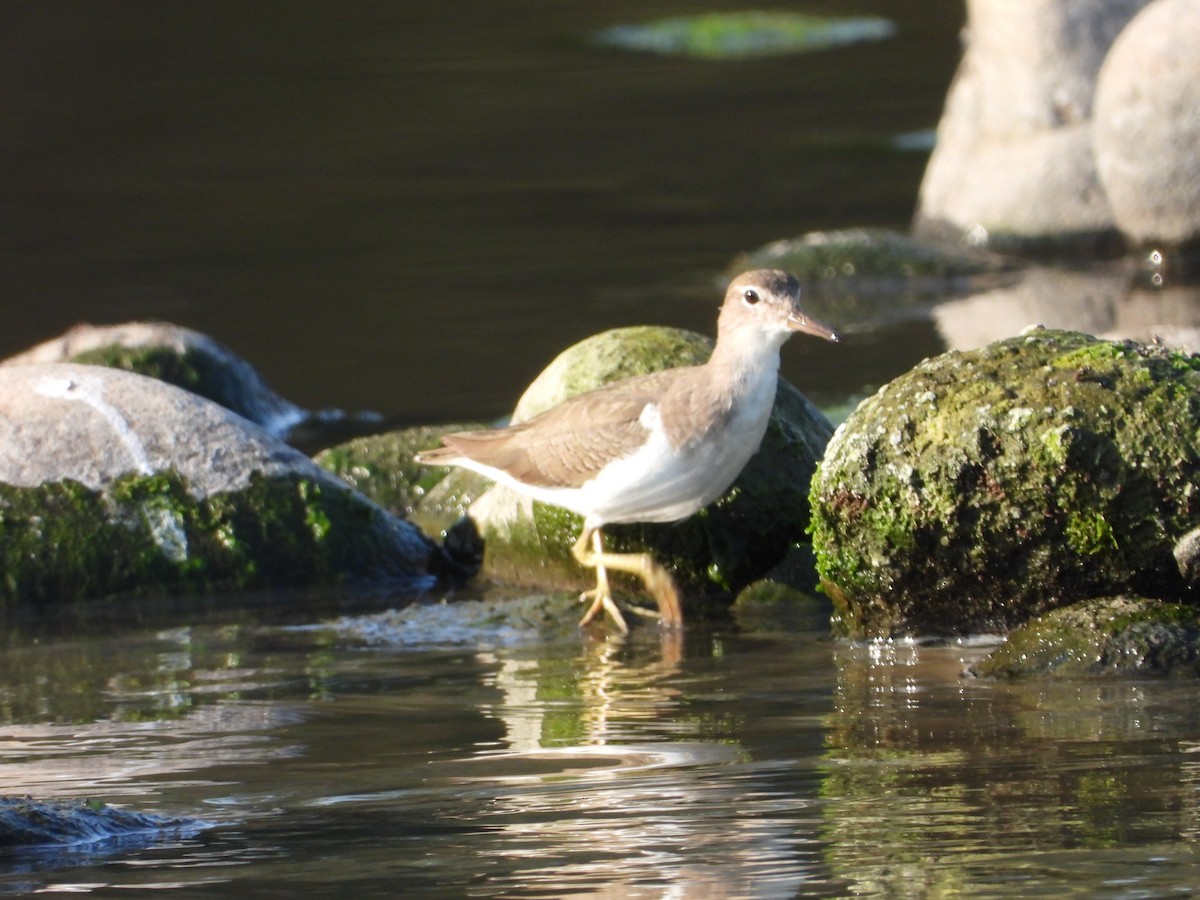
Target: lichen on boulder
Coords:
[(983, 488)]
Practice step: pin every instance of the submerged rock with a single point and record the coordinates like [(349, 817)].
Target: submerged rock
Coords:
[(986, 487), (725, 546), (27, 824), (744, 34), (184, 358), (874, 260), (876, 275), (112, 482), (1103, 636)]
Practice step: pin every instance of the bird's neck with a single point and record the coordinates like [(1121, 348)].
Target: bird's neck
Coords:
[(744, 367)]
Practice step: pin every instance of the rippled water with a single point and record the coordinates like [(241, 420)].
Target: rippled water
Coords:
[(727, 762)]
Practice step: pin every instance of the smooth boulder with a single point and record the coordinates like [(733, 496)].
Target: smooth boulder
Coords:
[(190, 360), (1014, 162), (1148, 125)]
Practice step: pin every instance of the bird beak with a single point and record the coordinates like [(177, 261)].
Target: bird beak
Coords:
[(801, 322)]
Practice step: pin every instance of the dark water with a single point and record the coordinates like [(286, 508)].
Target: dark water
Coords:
[(411, 208)]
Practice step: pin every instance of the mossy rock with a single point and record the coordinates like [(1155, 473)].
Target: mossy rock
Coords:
[(1103, 636), (786, 597), (382, 467), (113, 483), (986, 487), (720, 549), (873, 258), (433, 498)]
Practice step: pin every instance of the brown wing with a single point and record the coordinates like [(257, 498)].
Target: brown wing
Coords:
[(567, 445)]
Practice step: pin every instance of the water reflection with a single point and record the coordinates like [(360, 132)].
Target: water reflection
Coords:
[(1103, 300), (712, 764), (975, 774)]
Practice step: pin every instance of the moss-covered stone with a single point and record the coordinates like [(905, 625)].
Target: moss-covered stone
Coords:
[(720, 549), (983, 488), (382, 467), (1103, 636), (63, 541)]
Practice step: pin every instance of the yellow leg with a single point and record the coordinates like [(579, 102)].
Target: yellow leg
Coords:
[(658, 580)]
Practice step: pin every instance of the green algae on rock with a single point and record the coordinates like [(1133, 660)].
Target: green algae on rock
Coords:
[(741, 35), (723, 547), (114, 483), (986, 487), (382, 467), (1102, 636)]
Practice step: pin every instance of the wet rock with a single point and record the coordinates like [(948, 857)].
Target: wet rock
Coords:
[(786, 597), (27, 824), (112, 482), (187, 359), (986, 487), (874, 260), (723, 547), (1148, 124), (1103, 636), (1014, 163)]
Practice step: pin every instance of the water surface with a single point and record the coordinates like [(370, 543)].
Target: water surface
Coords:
[(729, 762)]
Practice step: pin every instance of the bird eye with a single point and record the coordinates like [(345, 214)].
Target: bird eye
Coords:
[(750, 296)]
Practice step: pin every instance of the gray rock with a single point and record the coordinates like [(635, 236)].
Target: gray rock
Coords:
[(1147, 129), (983, 488), (185, 358), (1187, 556), (112, 482), (1013, 162)]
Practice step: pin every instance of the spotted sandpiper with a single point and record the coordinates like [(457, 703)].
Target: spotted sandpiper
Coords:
[(652, 448)]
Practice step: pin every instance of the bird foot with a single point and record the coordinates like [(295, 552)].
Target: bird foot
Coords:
[(602, 601)]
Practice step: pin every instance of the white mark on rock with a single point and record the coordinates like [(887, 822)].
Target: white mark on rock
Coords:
[(91, 392)]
